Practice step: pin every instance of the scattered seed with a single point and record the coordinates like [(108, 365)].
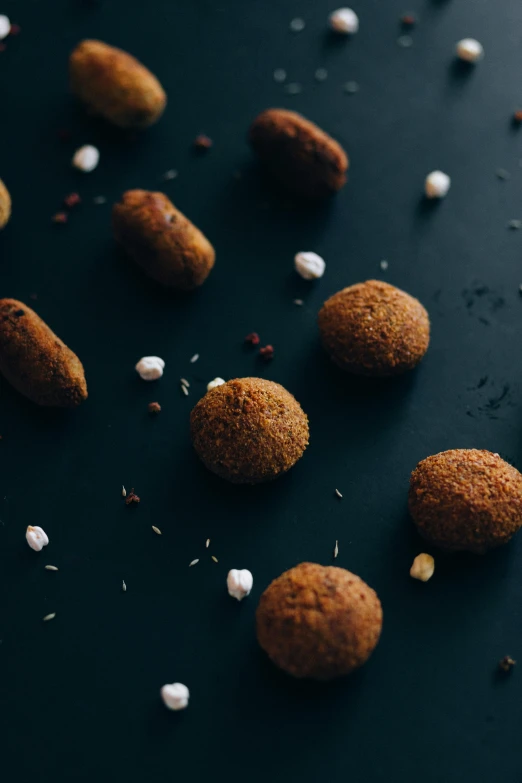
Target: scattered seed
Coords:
[(384, 265), (123, 586), (506, 664), (267, 352), (207, 544), (298, 302), (405, 41), (294, 88), (49, 617), (279, 75), (185, 390), (157, 530), (50, 568), (60, 217), (184, 382), (351, 88), (338, 493), (123, 492), (193, 562), (503, 174), (297, 24), (253, 338), (203, 142), (194, 358), (214, 558), (170, 174), (336, 549), (514, 225), (99, 200), (321, 75)]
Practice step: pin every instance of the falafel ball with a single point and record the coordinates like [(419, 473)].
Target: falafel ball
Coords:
[(466, 500), (318, 622), (249, 430), (374, 329), (5, 205)]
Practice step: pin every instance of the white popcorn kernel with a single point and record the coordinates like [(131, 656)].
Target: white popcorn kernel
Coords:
[(344, 20), (214, 383), (5, 26), (423, 567), (470, 50), (150, 368), (86, 158), (309, 265), (239, 583), (36, 538), (437, 184), (175, 696)]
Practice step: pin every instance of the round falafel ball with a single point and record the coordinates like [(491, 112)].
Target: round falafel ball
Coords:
[(466, 500), (374, 329), (318, 622), (249, 430), (5, 205)]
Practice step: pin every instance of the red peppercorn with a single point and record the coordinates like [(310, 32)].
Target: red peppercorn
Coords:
[(15, 29), (203, 142), (267, 352), (71, 200), (408, 20), (518, 116), (60, 217), (253, 338)]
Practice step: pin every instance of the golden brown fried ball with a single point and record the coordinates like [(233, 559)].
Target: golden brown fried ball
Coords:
[(466, 499), (160, 239), (35, 361), (5, 205), (116, 86), (318, 622), (297, 153), (249, 430), (374, 329)]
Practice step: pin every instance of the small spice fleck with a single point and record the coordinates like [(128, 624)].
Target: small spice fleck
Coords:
[(60, 217), (338, 493), (294, 88), (405, 41), (194, 359), (170, 174), (203, 142), (502, 174), (33, 296), (64, 134), (279, 75), (384, 265), (99, 200), (408, 20), (193, 562), (253, 338), (123, 492), (207, 543), (72, 200), (15, 29), (351, 88), (298, 302), (297, 25), (131, 498), (50, 568), (49, 617), (517, 117), (3, 47), (506, 664), (154, 407), (321, 75), (123, 586), (514, 225), (267, 352), (184, 390), (336, 549), (157, 530), (214, 558)]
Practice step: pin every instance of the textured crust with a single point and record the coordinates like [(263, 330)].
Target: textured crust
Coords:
[(466, 499), (298, 153), (318, 622), (5, 205), (115, 85), (35, 361), (249, 430), (375, 329), (160, 239)]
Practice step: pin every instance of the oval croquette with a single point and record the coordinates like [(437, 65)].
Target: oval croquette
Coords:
[(466, 499), (374, 329), (318, 622), (249, 430)]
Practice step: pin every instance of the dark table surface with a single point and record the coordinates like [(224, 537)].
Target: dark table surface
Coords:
[(80, 695)]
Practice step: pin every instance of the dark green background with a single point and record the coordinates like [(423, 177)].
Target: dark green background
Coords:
[(79, 696)]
